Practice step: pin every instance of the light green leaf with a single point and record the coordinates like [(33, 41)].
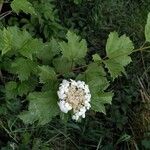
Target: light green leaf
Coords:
[(96, 58), (75, 48), (95, 77), (118, 50), (31, 47), (147, 29), (19, 37), (24, 43), (42, 108), (22, 5), (23, 68), (106, 97), (114, 67), (15, 40), (47, 74), (6, 41), (94, 70), (99, 99), (98, 107)]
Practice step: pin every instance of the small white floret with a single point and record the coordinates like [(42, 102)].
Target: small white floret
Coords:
[(83, 116), (68, 106), (62, 106)]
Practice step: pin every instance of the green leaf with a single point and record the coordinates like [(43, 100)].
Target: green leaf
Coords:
[(42, 108), (23, 68), (98, 107), (49, 50), (114, 68), (6, 41), (96, 78), (147, 29), (96, 58), (75, 48), (99, 99), (22, 5), (31, 47), (62, 65), (47, 74), (24, 43), (118, 49), (25, 87), (11, 89), (15, 40), (19, 37)]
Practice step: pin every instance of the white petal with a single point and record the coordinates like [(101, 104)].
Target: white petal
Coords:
[(61, 95), (87, 104), (86, 89), (79, 82), (62, 106), (88, 107), (80, 113), (66, 89), (88, 97), (83, 116), (65, 82), (73, 82), (74, 117), (67, 105), (83, 110)]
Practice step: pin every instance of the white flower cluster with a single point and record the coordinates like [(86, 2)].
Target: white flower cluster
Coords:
[(74, 96)]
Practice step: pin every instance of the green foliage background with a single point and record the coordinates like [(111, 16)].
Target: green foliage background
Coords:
[(35, 39)]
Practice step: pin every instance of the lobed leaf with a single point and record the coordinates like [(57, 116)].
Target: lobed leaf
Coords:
[(75, 48), (23, 68), (118, 50), (49, 51), (6, 41), (22, 5), (47, 74), (100, 99), (42, 108), (15, 40)]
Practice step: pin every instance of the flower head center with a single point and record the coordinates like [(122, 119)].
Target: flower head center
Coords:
[(75, 97)]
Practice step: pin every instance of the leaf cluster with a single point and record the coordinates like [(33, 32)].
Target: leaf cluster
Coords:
[(37, 68)]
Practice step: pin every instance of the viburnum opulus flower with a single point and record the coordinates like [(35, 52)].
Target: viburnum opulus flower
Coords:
[(74, 96)]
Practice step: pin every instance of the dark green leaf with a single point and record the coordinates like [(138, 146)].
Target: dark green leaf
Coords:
[(47, 74)]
